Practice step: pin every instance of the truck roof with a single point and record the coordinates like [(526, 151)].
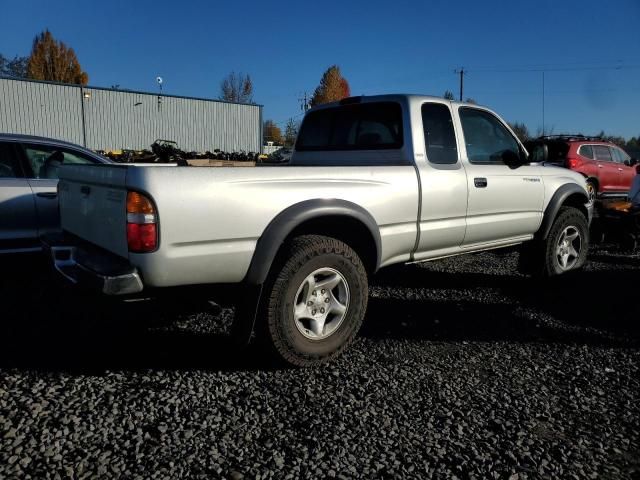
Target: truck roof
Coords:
[(394, 97)]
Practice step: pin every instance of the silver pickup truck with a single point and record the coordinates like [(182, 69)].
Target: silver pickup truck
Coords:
[(373, 181)]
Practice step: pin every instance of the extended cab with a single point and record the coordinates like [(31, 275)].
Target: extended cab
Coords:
[(373, 181)]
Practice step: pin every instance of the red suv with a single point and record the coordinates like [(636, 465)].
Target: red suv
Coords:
[(609, 169)]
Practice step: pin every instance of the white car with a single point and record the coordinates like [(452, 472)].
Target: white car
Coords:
[(28, 194)]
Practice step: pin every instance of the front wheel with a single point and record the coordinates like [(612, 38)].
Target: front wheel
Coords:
[(315, 300), (564, 249)]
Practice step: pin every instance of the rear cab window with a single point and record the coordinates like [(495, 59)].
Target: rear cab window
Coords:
[(439, 134), (362, 126)]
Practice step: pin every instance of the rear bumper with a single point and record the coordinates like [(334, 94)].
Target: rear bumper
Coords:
[(91, 267)]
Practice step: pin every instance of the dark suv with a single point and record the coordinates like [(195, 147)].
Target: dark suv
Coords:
[(609, 170)]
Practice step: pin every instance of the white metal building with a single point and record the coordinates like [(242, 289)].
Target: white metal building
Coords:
[(106, 119)]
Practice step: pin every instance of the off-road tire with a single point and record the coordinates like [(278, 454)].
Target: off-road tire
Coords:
[(277, 328), (539, 258)]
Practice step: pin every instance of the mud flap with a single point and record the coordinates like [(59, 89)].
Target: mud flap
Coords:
[(246, 312)]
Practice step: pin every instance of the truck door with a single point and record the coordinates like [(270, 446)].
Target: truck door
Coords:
[(625, 172), (17, 209), (443, 182), (505, 202), (607, 169)]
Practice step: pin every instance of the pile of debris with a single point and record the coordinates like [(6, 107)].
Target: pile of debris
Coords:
[(167, 151)]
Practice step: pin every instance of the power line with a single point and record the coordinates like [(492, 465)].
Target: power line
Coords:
[(541, 68)]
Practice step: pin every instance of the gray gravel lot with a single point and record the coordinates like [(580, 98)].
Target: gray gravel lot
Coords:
[(464, 369)]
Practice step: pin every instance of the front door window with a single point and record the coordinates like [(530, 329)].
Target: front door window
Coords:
[(487, 139)]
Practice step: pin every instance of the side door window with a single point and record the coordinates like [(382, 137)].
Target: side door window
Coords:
[(9, 167), (486, 138), (602, 153), (586, 151), (44, 160), (619, 156), (439, 135)]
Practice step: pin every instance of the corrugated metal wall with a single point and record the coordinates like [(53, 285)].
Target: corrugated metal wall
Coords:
[(48, 110), (119, 119)]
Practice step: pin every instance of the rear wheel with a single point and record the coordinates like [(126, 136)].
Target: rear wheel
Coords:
[(315, 301)]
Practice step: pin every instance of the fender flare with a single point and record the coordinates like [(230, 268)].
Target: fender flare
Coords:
[(557, 200), (286, 221)]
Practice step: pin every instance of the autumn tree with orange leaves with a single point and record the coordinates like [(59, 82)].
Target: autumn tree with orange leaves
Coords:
[(54, 61), (272, 132), (333, 86)]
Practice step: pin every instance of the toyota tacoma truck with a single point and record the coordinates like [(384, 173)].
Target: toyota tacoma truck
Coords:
[(373, 181)]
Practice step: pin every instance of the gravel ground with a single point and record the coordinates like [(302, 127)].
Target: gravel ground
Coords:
[(464, 369)]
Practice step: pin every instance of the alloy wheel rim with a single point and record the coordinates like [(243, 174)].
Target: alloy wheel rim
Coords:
[(568, 248), (591, 192), (321, 303)]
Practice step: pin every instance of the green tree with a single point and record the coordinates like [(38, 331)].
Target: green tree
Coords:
[(53, 61), (236, 87), (333, 87), (272, 133), (448, 95), (17, 67), (291, 132)]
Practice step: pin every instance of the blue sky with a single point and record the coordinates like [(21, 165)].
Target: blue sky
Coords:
[(589, 50)]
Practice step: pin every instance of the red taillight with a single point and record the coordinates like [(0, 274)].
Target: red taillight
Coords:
[(142, 238), (573, 163), (142, 230)]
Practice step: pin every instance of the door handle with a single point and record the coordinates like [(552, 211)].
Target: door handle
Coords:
[(599, 166), (480, 182), (47, 195), (619, 169)]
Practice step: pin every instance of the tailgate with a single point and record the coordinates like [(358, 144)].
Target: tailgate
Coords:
[(93, 203)]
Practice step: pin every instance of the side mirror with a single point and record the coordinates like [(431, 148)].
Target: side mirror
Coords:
[(512, 159), (631, 162)]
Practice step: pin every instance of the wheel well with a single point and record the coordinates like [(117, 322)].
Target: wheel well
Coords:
[(346, 229), (576, 200), (594, 180)]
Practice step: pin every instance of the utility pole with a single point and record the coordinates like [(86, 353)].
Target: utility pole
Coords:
[(461, 72), (304, 103)]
